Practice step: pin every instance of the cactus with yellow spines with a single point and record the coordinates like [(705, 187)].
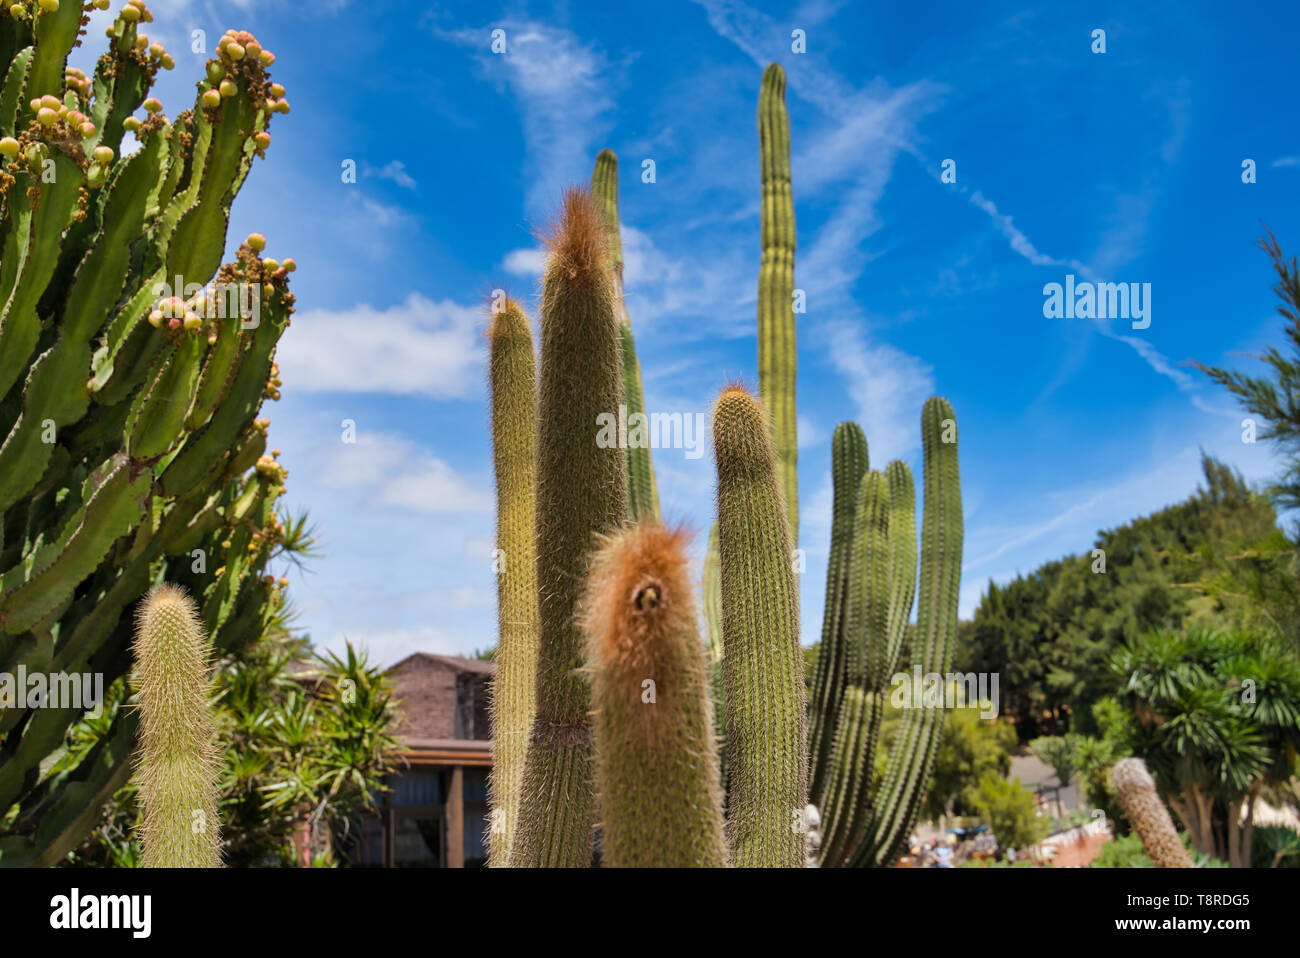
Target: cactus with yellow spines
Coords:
[(767, 751), (656, 769), (513, 382), (129, 435), (581, 492), (178, 764)]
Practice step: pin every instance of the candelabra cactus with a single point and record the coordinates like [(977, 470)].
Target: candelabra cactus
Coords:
[(642, 492), (657, 772), (1136, 791), (178, 739), (767, 752), (581, 491), (129, 426), (514, 447)]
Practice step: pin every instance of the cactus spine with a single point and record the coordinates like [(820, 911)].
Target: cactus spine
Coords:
[(642, 491), (766, 722), (849, 462), (513, 379), (1136, 791), (581, 491), (656, 769), (777, 354), (178, 749)]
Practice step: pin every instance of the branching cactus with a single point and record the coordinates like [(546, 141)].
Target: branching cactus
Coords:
[(657, 772), (581, 492), (130, 445), (642, 491), (777, 355), (514, 448), (1136, 791), (178, 740), (767, 752)]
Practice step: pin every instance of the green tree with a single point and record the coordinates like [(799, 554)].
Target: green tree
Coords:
[(1009, 810), (970, 747), (1060, 752)]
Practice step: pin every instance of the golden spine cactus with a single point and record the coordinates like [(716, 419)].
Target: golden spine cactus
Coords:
[(657, 775), (513, 379), (177, 761), (1140, 801), (767, 749), (581, 491)]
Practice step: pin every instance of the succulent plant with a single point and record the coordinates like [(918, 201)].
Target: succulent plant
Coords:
[(1141, 804)]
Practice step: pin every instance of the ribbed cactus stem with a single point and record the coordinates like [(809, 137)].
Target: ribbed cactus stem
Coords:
[(657, 775), (777, 355), (1141, 804), (899, 797), (514, 450), (848, 463), (581, 491), (766, 723), (177, 763), (642, 491)]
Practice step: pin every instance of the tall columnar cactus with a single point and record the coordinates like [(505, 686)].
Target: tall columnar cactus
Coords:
[(108, 483), (642, 492), (767, 752), (849, 462), (1140, 802), (514, 450), (657, 773), (777, 355), (581, 491), (178, 737)]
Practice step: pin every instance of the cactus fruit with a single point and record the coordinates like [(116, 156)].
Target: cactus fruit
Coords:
[(777, 354), (766, 725), (178, 748), (642, 492), (657, 774), (1138, 798), (514, 449), (581, 491)]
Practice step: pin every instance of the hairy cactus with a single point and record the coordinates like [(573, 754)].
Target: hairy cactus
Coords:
[(642, 491), (766, 726), (657, 775), (581, 491), (777, 355), (178, 738), (514, 449), (1140, 801), (108, 484)]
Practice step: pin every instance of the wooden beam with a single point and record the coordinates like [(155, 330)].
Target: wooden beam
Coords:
[(456, 819)]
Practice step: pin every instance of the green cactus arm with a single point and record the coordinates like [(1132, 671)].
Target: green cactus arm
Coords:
[(848, 779), (218, 373), (902, 563), (767, 757), (130, 347), (642, 490), (513, 379), (177, 766), (657, 775), (158, 414), (777, 353), (56, 33), (11, 93), (581, 491), (849, 461), (903, 788)]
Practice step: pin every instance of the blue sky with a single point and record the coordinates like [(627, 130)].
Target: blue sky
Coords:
[(1123, 166)]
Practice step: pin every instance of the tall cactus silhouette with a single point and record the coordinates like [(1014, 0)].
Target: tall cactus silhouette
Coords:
[(178, 759), (777, 354), (767, 753), (656, 770), (642, 491), (1138, 798), (104, 476), (581, 491), (513, 380)]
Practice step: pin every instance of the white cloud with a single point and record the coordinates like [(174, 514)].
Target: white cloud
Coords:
[(399, 474), (417, 347), (527, 263), (394, 171), (1282, 161)]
